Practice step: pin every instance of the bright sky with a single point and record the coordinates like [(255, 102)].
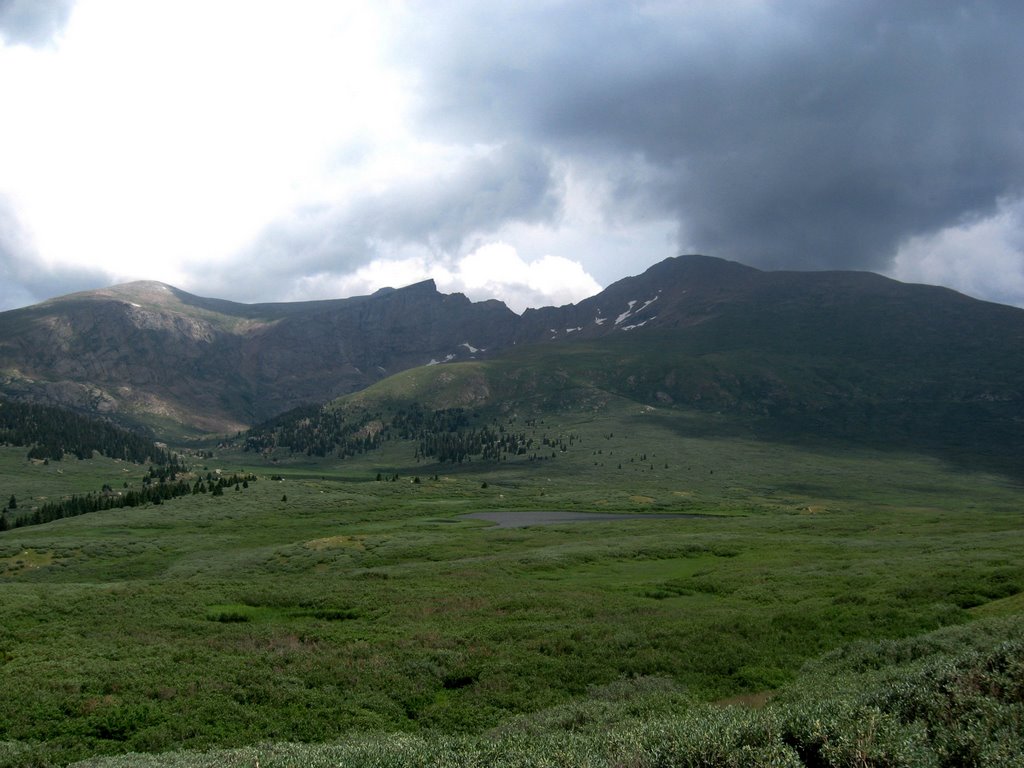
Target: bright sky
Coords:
[(264, 151)]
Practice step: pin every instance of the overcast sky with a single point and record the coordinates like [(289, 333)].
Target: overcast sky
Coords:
[(530, 151)]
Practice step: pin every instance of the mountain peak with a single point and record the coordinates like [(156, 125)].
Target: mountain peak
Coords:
[(149, 292), (151, 288), (424, 286), (695, 264), (142, 285)]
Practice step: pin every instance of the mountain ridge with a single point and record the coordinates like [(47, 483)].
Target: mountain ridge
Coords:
[(149, 352)]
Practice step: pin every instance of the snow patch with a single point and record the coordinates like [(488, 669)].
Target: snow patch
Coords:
[(631, 311), (641, 324), (600, 320), (627, 313), (573, 330), (447, 359), (472, 350)]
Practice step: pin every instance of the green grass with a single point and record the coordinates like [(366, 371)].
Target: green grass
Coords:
[(35, 482), (943, 699), (368, 607)]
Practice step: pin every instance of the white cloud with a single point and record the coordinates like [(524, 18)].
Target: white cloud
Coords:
[(496, 269), (32, 22), (492, 271), (160, 138), (982, 258)]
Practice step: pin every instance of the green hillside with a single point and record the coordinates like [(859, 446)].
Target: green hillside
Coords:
[(766, 384)]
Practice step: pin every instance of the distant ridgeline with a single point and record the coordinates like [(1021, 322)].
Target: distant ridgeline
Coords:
[(51, 432), (448, 435)]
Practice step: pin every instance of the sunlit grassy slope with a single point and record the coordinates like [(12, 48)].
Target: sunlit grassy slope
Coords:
[(320, 602), (796, 388)]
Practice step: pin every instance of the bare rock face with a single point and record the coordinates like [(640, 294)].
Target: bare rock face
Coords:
[(152, 352)]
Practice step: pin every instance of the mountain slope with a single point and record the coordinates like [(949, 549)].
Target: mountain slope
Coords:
[(151, 352), (842, 352), (784, 356)]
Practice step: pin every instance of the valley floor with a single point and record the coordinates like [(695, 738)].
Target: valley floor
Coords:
[(371, 620)]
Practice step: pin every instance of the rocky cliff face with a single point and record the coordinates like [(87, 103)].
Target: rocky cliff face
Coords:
[(152, 353), (149, 351)]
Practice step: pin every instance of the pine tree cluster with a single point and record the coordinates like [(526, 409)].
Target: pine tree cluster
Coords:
[(52, 432), (445, 435), (153, 491), (490, 443), (315, 431)]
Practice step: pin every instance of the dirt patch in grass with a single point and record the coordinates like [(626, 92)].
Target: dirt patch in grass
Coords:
[(26, 560), (336, 542)]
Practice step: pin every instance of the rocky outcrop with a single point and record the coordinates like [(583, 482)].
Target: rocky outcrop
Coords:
[(151, 351)]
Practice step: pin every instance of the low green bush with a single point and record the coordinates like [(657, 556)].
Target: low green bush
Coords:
[(950, 699)]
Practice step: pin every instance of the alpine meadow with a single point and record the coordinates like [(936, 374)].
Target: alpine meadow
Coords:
[(712, 516)]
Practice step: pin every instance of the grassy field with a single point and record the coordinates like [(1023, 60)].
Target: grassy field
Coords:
[(319, 603)]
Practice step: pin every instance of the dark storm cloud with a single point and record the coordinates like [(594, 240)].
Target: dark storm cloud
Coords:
[(443, 212), (13, 248), (33, 22), (23, 279), (513, 182), (796, 134)]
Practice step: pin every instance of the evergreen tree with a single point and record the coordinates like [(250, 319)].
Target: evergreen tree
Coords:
[(50, 432), (13, 503)]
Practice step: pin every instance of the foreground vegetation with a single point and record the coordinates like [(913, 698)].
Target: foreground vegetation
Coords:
[(324, 606), (949, 698)]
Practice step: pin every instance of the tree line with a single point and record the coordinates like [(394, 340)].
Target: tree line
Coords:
[(51, 433), (488, 443), (152, 492), (447, 435), (315, 431)]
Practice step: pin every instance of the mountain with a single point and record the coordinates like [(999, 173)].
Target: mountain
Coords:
[(150, 352), (837, 353)]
